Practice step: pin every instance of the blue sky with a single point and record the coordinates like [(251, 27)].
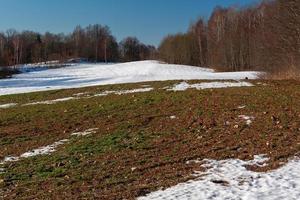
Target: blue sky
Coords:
[(149, 20)]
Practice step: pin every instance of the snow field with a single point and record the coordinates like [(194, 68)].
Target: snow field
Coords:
[(84, 75)]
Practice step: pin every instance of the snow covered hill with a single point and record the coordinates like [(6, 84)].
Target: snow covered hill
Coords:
[(84, 75)]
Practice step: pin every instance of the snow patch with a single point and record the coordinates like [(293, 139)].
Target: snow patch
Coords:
[(49, 102), (134, 91), (81, 94), (9, 105), (45, 150), (145, 86), (200, 86), (229, 179), (121, 92), (35, 152), (248, 119), (86, 132)]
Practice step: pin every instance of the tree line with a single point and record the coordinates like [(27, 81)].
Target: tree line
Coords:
[(95, 43), (265, 36)]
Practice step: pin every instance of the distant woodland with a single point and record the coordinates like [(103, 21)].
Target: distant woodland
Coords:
[(94, 43), (262, 37), (265, 37)]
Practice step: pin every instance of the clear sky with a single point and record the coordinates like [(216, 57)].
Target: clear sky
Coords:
[(148, 20)]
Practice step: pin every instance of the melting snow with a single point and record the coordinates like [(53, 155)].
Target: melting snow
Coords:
[(49, 102), (83, 75), (145, 86), (81, 94), (84, 133), (134, 91), (121, 92), (184, 85), (248, 119), (229, 179), (9, 105), (45, 150), (35, 152)]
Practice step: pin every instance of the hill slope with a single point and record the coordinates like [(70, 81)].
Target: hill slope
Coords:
[(84, 75)]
